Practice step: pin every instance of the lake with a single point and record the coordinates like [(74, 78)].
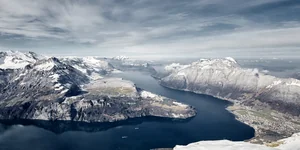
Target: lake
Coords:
[(213, 122)]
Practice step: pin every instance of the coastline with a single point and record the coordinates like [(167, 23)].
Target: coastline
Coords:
[(269, 125)]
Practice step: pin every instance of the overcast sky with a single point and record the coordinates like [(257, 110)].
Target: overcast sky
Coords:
[(152, 28)]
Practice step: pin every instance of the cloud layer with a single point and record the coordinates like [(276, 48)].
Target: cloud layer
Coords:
[(152, 28)]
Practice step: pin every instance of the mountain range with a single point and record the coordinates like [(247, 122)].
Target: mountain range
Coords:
[(37, 87)]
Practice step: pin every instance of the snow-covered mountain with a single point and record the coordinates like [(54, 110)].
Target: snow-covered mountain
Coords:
[(91, 66), (265, 102), (16, 59), (50, 89), (224, 78), (122, 58), (291, 143), (47, 78), (126, 64)]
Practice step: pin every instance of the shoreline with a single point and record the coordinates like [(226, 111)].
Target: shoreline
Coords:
[(269, 125)]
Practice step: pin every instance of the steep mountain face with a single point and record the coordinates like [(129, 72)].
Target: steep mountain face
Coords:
[(91, 66), (248, 88), (15, 59), (49, 89), (47, 79)]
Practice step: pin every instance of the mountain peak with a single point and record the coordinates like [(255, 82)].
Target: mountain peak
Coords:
[(48, 64), (231, 59), (216, 63), (120, 58), (16, 59)]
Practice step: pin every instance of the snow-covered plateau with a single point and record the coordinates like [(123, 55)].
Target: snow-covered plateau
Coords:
[(291, 143), (34, 87), (269, 104)]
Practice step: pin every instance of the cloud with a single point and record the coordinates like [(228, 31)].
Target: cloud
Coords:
[(150, 27)]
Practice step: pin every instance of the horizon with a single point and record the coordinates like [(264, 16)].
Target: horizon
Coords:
[(177, 59)]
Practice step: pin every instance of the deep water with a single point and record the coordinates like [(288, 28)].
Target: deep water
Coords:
[(213, 122)]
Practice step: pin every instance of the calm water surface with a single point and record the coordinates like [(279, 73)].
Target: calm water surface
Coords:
[(212, 122)]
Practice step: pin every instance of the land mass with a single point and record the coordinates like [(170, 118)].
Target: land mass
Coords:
[(34, 87), (269, 104)]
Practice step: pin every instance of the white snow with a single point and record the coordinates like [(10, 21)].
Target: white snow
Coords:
[(89, 64), (16, 59), (59, 88), (294, 83), (64, 91), (45, 66), (120, 58), (54, 76), (57, 85), (181, 74), (274, 84), (291, 143), (81, 69), (177, 115), (95, 63), (180, 104), (175, 67), (146, 94), (231, 59), (20, 75), (222, 145)]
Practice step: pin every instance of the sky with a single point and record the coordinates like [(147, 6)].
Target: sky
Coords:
[(152, 28)]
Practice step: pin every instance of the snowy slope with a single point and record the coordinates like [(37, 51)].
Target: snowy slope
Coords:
[(291, 143), (16, 59), (45, 79), (120, 58), (222, 145), (91, 66)]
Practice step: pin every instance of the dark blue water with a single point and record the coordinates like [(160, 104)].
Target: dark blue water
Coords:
[(212, 122)]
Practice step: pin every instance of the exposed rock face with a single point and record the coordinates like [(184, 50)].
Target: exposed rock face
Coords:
[(49, 89), (224, 78)]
